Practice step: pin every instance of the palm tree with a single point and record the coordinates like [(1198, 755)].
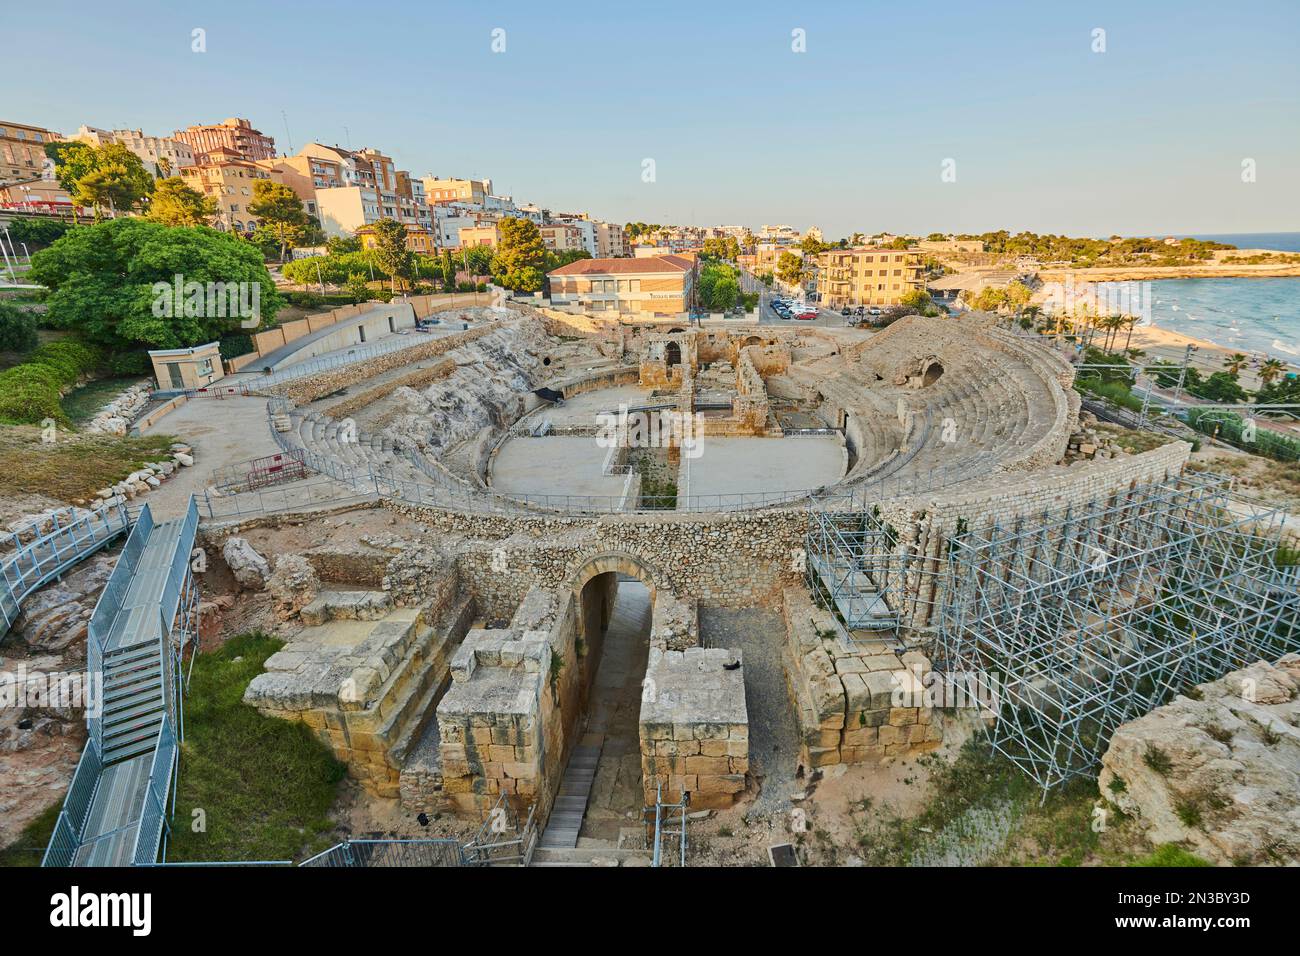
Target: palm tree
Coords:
[(1111, 325), (1131, 321), (1235, 362), (1271, 370)]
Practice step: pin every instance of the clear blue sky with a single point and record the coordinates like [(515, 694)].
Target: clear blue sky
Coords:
[(1147, 137)]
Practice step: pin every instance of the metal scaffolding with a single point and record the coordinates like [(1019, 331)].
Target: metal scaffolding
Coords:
[(1091, 616)]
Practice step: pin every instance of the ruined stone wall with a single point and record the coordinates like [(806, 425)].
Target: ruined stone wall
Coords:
[(420, 377), (739, 559), (311, 387), (844, 697), (924, 523), (694, 727)]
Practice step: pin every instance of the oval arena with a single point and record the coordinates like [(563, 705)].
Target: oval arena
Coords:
[(574, 568)]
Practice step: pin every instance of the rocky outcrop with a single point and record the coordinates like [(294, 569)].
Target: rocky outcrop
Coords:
[(293, 585), (1217, 771), (54, 617), (250, 569)]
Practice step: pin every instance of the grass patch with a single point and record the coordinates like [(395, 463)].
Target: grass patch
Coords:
[(1169, 854), (984, 810), (75, 466), (30, 846), (265, 785)]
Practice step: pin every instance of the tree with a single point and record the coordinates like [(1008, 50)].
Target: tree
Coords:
[(1219, 387), (1271, 370), (356, 288), (917, 299), (280, 212), (520, 256), (391, 253), (342, 245), (103, 176), (448, 271), (17, 330), (1235, 362), (102, 283), (176, 204), (789, 269)]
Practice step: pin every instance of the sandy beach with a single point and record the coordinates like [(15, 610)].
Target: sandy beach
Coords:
[(1163, 344)]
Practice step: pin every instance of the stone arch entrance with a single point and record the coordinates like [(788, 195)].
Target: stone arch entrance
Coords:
[(931, 371), (672, 354), (751, 340), (613, 598)]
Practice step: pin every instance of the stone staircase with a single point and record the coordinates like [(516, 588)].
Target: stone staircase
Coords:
[(571, 801)]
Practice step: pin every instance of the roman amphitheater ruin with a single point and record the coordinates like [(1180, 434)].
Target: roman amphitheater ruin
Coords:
[(571, 503)]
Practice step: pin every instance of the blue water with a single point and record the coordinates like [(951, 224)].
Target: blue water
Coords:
[(1248, 315)]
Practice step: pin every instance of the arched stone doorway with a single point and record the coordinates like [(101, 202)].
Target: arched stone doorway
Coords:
[(672, 354), (931, 372), (613, 601)]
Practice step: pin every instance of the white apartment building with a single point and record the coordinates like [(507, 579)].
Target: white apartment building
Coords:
[(151, 149)]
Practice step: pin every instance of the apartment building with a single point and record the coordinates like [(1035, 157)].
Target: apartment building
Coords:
[(473, 191), (867, 276), (418, 239), (659, 285), (161, 155), (234, 135), (611, 241), (22, 151), (565, 237), (485, 234), (228, 178)]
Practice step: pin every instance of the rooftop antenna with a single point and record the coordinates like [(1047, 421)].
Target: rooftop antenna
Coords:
[(287, 134)]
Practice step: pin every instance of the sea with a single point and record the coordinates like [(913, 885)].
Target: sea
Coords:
[(1254, 316)]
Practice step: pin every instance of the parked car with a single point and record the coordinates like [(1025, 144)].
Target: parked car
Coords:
[(806, 312), (846, 311)]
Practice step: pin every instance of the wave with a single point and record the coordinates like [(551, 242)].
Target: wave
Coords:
[(1283, 348)]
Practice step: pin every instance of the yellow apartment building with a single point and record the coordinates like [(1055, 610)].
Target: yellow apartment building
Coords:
[(228, 179), (867, 276), (22, 151)]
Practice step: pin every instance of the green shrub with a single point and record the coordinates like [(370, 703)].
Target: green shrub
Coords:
[(129, 363), (30, 393), (1170, 854), (235, 345), (306, 300), (17, 329), (72, 360), (38, 232)]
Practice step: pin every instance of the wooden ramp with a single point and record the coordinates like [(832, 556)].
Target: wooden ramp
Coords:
[(571, 802)]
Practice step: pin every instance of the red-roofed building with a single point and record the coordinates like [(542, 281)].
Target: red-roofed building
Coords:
[(655, 285)]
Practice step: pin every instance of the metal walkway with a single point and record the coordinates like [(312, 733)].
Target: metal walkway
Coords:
[(115, 813), (71, 536)]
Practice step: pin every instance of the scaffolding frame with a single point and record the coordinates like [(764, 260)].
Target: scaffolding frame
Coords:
[(860, 568), (1090, 616)]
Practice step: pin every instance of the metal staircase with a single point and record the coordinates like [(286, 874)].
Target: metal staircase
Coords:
[(116, 813), (849, 560)]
